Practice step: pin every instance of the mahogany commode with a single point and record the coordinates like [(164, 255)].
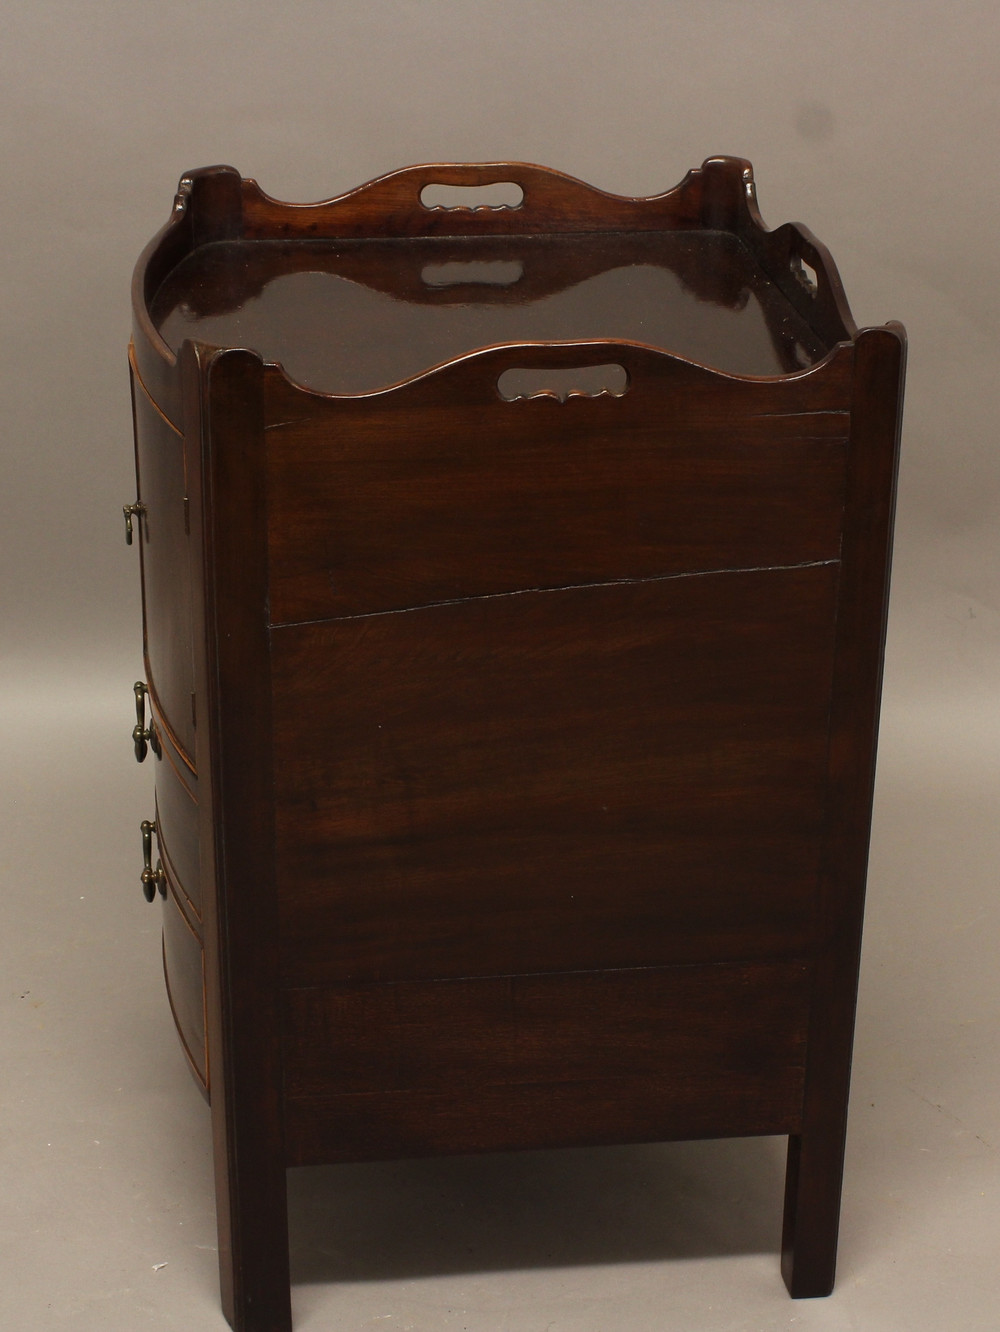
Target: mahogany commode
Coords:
[(514, 588)]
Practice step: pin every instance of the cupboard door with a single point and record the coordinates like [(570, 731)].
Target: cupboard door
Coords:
[(165, 554)]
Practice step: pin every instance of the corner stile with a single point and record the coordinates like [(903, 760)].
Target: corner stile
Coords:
[(816, 1155), (247, 1070)]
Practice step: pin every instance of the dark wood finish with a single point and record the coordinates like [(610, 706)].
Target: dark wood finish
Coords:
[(688, 471), (184, 973), (213, 205), (554, 781), (518, 754), (695, 292), (161, 463), (177, 829), (816, 1156), (554, 1060), (246, 1099)]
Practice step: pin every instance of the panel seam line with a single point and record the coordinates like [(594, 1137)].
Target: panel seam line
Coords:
[(562, 587)]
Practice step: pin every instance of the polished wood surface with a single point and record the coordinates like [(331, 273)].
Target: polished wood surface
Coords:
[(166, 554), (816, 1155), (518, 740), (688, 471), (184, 973), (177, 830), (708, 235), (358, 316), (611, 776), (544, 1060), (247, 1101)]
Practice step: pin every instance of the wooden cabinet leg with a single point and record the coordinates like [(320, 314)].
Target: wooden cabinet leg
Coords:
[(253, 1248), (812, 1214)]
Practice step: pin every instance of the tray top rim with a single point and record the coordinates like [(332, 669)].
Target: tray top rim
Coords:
[(216, 204)]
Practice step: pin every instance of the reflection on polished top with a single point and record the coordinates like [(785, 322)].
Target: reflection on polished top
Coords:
[(355, 316)]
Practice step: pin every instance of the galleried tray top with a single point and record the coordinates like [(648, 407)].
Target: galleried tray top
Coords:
[(360, 293)]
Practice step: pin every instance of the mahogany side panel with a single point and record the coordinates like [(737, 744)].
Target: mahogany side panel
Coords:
[(539, 1061), (441, 489), (609, 776)]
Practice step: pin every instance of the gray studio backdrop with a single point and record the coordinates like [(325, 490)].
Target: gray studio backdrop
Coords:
[(877, 126)]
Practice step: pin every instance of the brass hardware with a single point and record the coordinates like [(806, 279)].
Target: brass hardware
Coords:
[(152, 879), (131, 511), (141, 734)]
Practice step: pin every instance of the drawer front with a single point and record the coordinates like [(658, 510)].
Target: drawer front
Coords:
[(177, 828), (598, 777), (442, 490), (184, 972), (165, 552)]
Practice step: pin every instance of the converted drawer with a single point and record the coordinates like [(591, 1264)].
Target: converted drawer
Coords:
[(177, 829), (184, 972)]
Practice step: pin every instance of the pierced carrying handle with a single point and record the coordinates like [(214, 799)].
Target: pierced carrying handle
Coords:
[(802, 267), (560, 383), (471, 190), (594, 375)]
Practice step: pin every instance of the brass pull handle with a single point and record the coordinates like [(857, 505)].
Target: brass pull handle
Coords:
[(143, 735), (151, 879), (131, 511)]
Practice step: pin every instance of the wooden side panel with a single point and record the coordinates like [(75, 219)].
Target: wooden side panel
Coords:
[(441, 489), (537, 1061), (600, 777), (184, 972), (167, 575)]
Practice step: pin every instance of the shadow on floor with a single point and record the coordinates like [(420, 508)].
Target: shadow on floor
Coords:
[(390, 1220)]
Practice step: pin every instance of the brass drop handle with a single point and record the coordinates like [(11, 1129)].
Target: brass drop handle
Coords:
[(152, 879), (143, 735), (131, 511)]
